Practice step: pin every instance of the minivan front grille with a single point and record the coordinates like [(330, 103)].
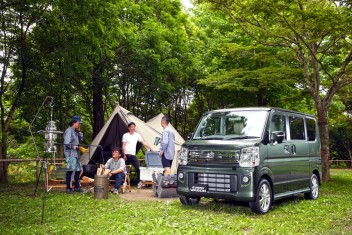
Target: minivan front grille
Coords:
[(206, 156), (217, 182)]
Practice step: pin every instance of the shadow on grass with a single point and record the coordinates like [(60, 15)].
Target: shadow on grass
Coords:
[(240, 208)]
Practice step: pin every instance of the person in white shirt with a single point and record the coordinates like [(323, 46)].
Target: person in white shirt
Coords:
[(117, 168), (129, 146)]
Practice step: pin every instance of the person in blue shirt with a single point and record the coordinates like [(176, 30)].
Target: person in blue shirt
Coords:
[(167, 145), (72, 137)]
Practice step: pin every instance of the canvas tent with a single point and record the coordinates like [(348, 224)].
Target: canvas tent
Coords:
[(155, 124), (110, 136)]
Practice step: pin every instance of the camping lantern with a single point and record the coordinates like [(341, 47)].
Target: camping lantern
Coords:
[(50, 137)]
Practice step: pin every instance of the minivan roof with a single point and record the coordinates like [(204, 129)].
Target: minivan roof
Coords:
[(258, 109)]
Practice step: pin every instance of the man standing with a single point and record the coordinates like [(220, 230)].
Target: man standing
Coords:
[(167, 145), (72, 136), (129, 145), (116, 165)]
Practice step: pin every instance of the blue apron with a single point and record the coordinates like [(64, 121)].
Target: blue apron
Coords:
[(71, 142)]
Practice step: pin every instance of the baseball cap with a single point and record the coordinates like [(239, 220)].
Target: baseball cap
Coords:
[(76, 118)]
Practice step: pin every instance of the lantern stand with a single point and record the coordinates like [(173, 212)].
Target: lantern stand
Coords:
[(50, 134)]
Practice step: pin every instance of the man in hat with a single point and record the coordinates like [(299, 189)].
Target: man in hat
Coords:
[(72, 136), (129, 147)]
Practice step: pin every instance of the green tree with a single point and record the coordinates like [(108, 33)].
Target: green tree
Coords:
[(17, 18), (315, 34)]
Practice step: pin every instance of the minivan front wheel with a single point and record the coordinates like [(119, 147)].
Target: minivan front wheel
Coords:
[(313, 194), (189, 200), (263, 199)]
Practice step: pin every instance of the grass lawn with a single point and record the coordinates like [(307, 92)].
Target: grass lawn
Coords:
[(20, 213)]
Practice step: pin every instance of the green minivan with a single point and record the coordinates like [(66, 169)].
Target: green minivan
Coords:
[(255, 155)]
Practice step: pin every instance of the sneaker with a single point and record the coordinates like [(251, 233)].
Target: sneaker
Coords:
[(115, 191), (69, 191), (140, 185), (78, 190)]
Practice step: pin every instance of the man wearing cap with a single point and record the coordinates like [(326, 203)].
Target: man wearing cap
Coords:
[(129, 146), (72, 136)]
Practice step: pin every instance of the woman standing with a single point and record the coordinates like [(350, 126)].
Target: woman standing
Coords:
[(72, 136)]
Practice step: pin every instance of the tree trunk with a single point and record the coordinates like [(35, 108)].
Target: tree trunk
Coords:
[(2, 167), (349, 151), (3, 155), (261, 100), (324, 140), (98, 110)]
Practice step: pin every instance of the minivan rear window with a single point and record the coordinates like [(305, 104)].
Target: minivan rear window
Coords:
[(311, 125), (297, 128)]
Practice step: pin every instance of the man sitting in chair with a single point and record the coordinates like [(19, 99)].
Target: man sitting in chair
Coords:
[(117, 168)]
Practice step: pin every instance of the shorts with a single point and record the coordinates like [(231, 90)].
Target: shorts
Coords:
[(166, 162)]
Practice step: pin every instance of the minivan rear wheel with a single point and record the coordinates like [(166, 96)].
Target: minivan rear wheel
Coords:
[(313, 194), (263, 198), (189, 200)]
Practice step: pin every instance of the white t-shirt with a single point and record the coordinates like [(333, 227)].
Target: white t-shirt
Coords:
[(131, 142)]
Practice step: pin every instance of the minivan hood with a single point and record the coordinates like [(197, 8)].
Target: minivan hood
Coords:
[(220, 145)]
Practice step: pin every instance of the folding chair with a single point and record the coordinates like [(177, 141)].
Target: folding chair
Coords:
[(126, 181), (56, 176)]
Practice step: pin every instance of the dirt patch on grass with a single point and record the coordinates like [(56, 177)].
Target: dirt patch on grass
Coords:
[(143, 194)]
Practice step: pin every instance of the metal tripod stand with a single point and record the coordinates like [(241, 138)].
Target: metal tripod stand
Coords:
[(44, 165), (50, 133)]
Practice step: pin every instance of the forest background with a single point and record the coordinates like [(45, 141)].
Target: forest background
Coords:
[(157, 56)]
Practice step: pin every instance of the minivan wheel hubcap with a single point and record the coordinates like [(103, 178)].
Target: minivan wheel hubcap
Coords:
[(315, 187), (265, 197)]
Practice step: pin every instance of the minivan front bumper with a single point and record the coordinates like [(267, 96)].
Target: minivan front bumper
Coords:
[(232, 183)]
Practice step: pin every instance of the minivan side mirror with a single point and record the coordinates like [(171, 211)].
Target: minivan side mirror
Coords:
[(189, 136), (277, 136)]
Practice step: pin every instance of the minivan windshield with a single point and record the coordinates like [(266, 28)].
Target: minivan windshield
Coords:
[(231, 125)]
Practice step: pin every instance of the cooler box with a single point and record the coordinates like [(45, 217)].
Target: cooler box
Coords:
[(153, 163)]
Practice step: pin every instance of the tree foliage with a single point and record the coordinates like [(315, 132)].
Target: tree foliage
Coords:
[(151, 57), (315, 41), (92, 54)]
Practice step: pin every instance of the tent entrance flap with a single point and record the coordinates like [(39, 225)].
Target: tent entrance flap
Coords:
[(111, 138)]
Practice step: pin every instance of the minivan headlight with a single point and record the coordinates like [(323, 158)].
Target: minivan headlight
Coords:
[(183, 157), (249, 157)]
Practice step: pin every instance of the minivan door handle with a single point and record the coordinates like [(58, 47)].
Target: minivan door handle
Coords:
[(293, 148)]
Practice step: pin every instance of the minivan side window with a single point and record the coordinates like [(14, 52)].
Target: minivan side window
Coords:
[(311, 125), (278, 123), (297, 128)]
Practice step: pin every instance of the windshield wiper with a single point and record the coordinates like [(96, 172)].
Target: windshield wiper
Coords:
[(212, 138), (242, 137)]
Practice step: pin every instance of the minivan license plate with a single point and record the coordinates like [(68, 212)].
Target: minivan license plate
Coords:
[(199, 188)]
